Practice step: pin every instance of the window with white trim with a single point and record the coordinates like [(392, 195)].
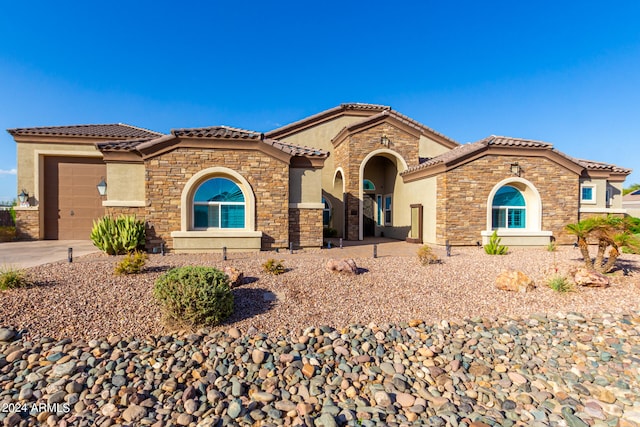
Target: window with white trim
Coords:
[(509, 209), (218, 203), (387, 209), (588, 193)]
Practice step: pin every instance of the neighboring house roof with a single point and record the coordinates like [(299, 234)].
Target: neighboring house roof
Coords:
[(116, 130)]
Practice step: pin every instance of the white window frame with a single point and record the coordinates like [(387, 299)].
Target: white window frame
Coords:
[(385, 210), (593, 199), (379, 210)]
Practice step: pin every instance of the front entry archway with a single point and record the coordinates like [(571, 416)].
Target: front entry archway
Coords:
[(379, 175)]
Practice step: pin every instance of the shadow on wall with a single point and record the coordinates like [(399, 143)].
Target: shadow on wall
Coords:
[(154, 243)]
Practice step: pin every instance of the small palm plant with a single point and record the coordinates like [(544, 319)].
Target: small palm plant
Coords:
[(494, 247)]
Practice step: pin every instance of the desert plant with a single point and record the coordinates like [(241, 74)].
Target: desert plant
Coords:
[(560, 284), (7, 233), (11, 278), (552, 246), (426, 255), (494, 247), (274, 267), (610, 232), (193, 296), (132, 263), (118, 236)]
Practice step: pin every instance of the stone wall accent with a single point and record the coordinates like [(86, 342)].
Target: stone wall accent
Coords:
[(305, 227), (27, 224), (463, 193), (351, 153), (167, 174)]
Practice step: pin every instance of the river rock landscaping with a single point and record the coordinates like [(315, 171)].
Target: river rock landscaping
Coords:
[(398, 344)]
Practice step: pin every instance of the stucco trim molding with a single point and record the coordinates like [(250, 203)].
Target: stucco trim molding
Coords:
[(603, 210), (217, 171), (124, 203), (306, 206), (216, 233)]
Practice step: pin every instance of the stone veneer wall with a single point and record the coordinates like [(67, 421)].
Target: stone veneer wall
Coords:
[(167, 174), (27, 224), (463, 193), (350, 154), (140, 213), (305, 227)]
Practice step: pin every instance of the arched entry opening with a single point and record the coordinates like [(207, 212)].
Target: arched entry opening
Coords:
[(379, 178)]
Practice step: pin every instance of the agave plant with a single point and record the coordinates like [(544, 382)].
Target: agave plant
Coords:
[(118, 236)]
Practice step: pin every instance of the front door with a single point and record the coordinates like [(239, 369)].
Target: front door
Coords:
[(368, 210)]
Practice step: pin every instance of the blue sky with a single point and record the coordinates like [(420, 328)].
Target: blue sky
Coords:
[(562, 72)]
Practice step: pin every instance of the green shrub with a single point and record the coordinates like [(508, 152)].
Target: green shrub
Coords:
[(426, 256), (118, 236), (560, 284), (552, 246), (132, 263), (193, 296), (7, 233), (494, 247), (12, 212), (11, 278), (274, 267)]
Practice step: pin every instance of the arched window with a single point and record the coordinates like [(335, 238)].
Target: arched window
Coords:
[(367, 185), (326, 212), (218, 203), (508, 208)]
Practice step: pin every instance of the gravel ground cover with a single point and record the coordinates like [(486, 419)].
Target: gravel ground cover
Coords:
[(399, 344), (84, 299)]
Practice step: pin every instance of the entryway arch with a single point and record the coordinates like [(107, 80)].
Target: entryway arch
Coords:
[(381, 168)]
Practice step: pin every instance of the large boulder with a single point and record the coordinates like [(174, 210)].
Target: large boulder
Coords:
[(346, 265), (586, 277), (514, 281), (235, 276)]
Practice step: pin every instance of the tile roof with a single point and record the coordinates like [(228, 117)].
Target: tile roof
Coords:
[(115, 130), (217, 132), (222, 132), (464, 150), (126, 145), (363, 106), (591, 165)]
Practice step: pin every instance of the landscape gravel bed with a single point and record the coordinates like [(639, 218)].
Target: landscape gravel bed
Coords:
[(399, 344), (85, 299)]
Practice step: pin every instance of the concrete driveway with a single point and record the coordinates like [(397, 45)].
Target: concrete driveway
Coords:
[(30, 254)]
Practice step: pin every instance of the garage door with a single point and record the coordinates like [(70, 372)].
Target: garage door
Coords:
[(71, 199)]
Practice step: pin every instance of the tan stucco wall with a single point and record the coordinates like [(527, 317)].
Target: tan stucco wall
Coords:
[(423, 192), (305, 185), (29, 160), (320, 137), (430, 148), (125, 182)]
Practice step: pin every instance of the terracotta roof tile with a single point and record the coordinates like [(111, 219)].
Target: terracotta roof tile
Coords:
[(591, 165), (464, 150), (126, 145), (296, 150), (116, 130), (364, 106), (217, 132)]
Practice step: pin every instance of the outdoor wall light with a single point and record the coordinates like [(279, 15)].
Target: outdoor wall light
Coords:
[(384, 140), (102, 187), (515, 169), (24, 198)]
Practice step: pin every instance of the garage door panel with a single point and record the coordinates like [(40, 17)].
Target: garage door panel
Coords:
[(71, 201)]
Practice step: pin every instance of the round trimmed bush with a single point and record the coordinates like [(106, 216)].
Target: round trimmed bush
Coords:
[(193, 296)]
